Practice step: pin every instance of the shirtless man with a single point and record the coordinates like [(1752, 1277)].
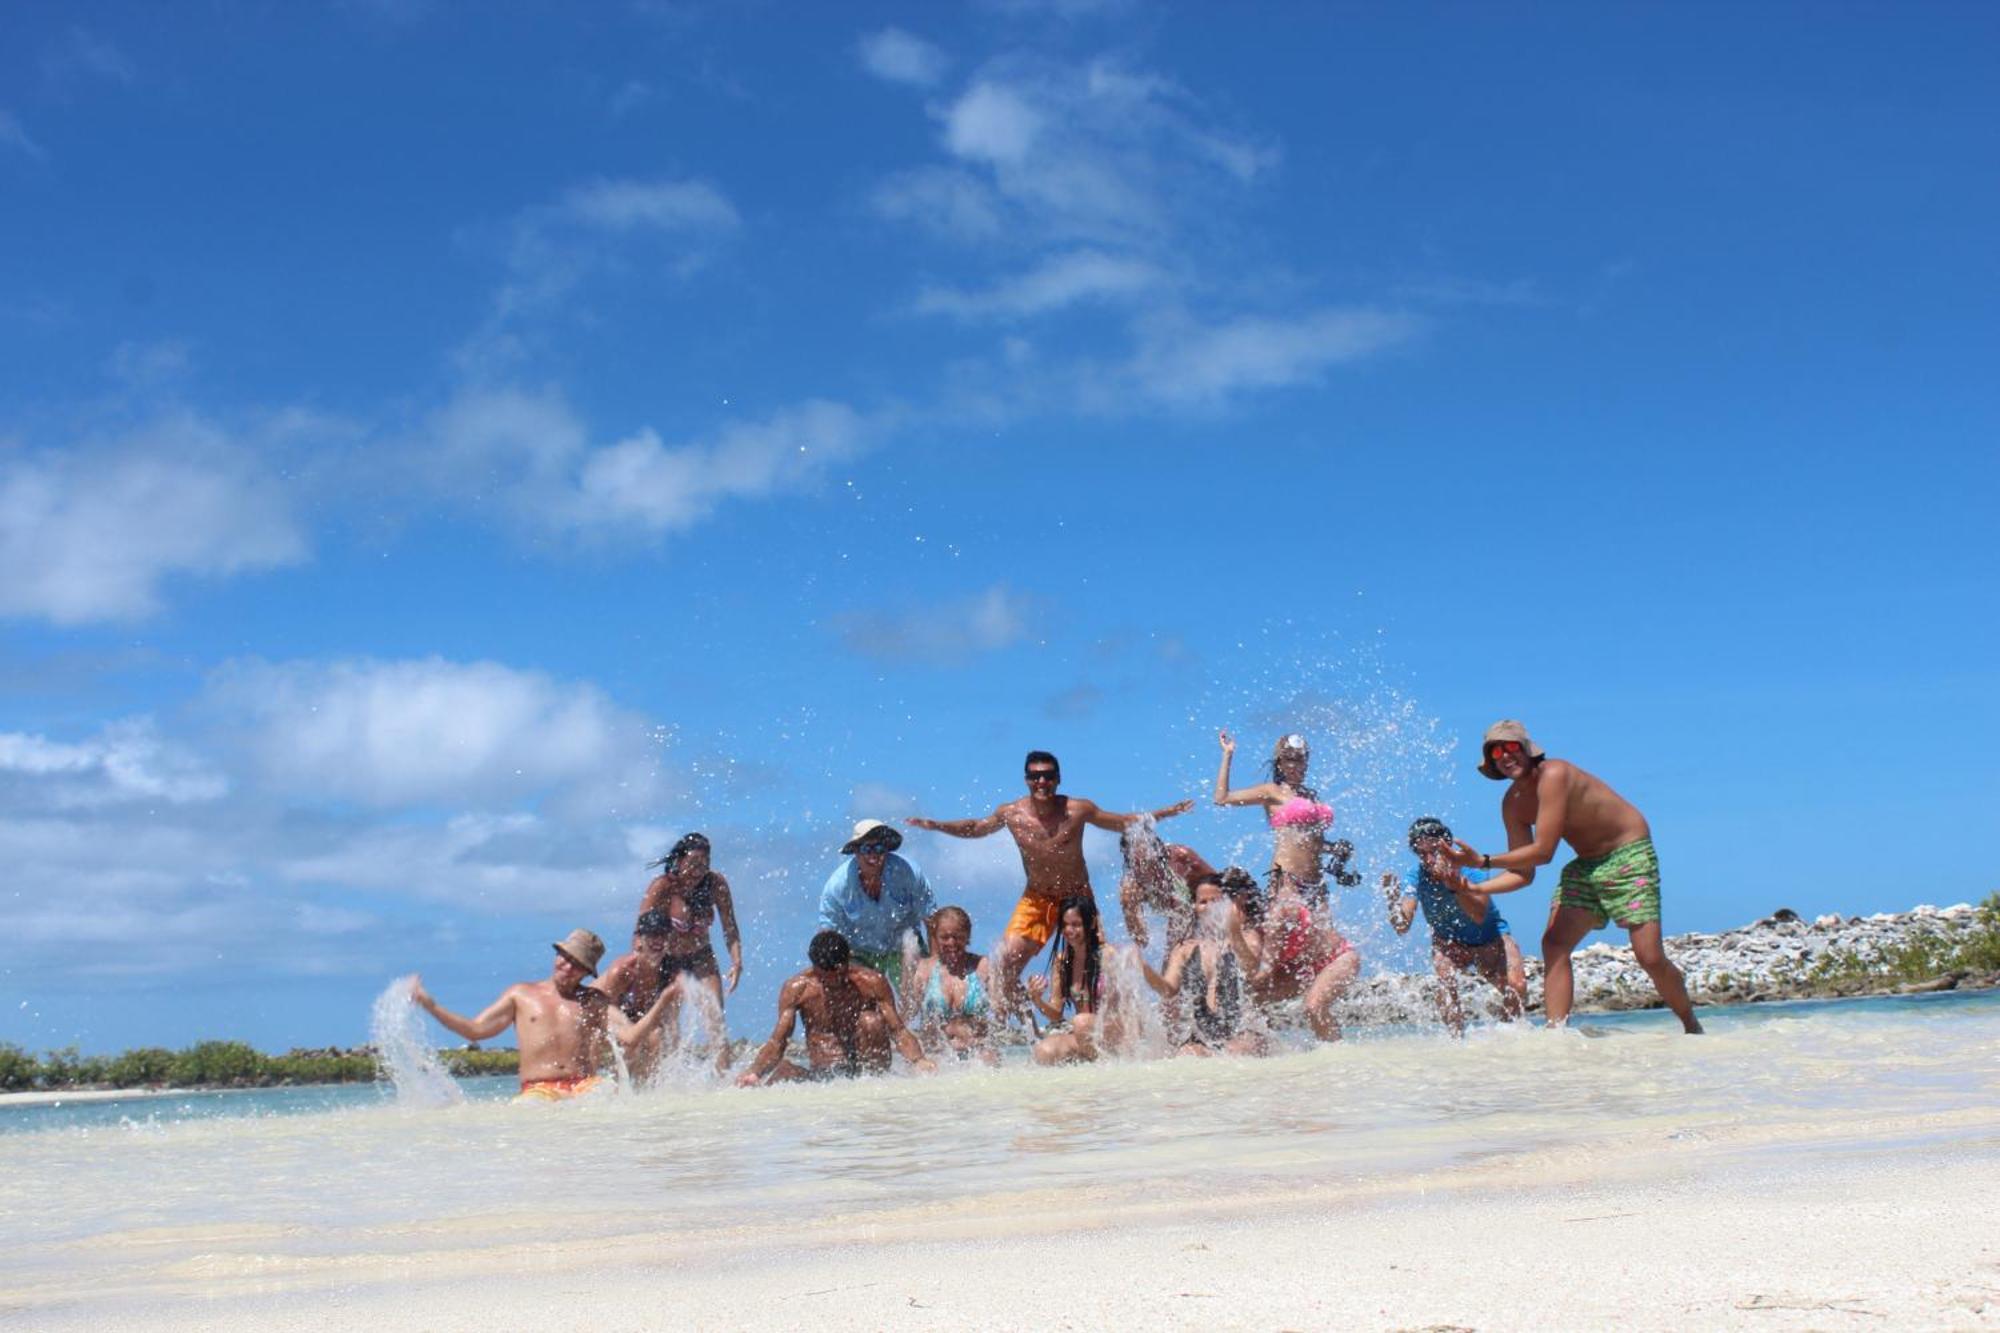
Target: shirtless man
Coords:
[(1615, 876), (850, 1017), (562, 1025), (1048, 830)]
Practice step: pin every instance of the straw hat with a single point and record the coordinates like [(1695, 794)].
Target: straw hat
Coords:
[(583, 948), (872, 830), (1504, 730)]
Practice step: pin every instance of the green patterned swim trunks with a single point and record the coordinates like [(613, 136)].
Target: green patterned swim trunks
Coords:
[(1623, 885)]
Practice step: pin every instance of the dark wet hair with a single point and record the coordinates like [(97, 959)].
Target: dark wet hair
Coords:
[(1093, 949), (829, 949), (1243, 889), (689, 842), (1430, 826), (1338, 853), (1301, 791), (652, 923), (1041, 757)]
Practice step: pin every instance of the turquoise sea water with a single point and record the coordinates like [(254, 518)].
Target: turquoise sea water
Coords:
[(143, 1200)]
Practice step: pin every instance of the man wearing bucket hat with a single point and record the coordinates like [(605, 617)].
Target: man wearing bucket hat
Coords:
[(561, 1024), (1614, 878), (877, 899)]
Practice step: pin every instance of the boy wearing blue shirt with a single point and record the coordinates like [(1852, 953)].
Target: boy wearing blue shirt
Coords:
[(1467, 930)]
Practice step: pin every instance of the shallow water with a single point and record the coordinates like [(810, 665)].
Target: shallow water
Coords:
[(136, 1194)]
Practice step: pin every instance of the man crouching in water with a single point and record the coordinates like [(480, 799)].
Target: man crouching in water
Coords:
[(1615, 876), (850, 1016), (563, 1026)]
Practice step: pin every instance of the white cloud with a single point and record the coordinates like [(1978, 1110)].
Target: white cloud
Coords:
[(943, 634), (126, 761), (14, 135), (1182, 363), (428, 732), (629, 205), (91, 534), (529, 452), (1058, 282), (949, 202), (901, 57), (992, 123)]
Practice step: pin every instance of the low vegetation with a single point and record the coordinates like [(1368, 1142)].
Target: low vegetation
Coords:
[(216, 1064), (1927, 956)]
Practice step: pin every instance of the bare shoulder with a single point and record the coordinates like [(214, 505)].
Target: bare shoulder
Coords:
[(795, 989), (872, 983)]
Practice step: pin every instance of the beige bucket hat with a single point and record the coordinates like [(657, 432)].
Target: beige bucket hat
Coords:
[(583, 948), (872, 830), (1504, 730)]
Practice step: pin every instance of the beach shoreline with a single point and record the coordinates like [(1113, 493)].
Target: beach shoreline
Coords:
[(1757, 1228)]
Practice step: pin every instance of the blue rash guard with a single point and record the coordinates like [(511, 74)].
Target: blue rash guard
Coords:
[(1448, 921)]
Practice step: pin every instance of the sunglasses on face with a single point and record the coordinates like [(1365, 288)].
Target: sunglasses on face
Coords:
[(1512, 749), (872, 849), (1041, 775)]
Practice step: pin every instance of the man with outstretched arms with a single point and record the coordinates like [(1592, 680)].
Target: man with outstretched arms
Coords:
[(562, 1025), (850, 1017), (1048, 830), (1615, 876)]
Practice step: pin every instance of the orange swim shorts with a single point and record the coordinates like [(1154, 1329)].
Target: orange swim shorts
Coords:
[(556, 1089), (1036, 917)]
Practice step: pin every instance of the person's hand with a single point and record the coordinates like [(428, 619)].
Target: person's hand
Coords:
[(915, 821), (1228, 741), (1038, 985), (418, 995), (924, 1065), (1461, 853), (748, 1079), (735, 973), (1177, 808)]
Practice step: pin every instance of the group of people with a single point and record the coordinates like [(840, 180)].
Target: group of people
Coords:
[(892, 972)]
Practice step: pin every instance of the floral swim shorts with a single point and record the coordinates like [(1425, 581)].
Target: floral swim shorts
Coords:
[(1623, 885)]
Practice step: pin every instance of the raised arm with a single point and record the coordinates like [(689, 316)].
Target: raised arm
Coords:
[(1168, 984), (773, 1049), (1264, 793), (631, 1031), (490, 1022), (1038, 991), (1111, 820), (1402, 907), (961, 828), (725, 907)]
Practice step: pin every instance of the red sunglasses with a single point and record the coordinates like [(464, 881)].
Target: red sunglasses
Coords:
[(1513, 748)]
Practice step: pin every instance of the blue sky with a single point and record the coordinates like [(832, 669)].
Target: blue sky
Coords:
[(448, 451)]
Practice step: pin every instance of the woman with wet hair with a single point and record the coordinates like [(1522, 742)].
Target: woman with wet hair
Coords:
[(1072, 995), (691, 895), (948, 993), (1206, 980), (1299, 820)]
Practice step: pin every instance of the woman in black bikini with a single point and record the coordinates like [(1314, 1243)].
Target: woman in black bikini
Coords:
[(691, 895)]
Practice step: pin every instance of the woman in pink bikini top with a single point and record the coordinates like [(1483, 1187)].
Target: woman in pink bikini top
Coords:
[(1296, 815)]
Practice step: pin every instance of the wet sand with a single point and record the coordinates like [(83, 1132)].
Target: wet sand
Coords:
[(1887, 1223)]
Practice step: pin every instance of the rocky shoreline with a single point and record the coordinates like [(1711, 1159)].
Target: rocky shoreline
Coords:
[(1779, 957)]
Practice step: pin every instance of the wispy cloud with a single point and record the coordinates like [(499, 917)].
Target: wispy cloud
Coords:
[(80, 54), (528, 452), (902, 57), (14, 135), (944, 634), (1184, 363), (1060, 281), (92, 533)]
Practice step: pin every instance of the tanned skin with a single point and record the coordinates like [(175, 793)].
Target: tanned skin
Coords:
[(1048, 830), (1549, 802), (849, 1008)]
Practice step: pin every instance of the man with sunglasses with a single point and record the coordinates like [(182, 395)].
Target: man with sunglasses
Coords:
[(1615, 876), (1048, 831), (876, 899)]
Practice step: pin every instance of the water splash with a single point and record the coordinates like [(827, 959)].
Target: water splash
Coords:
[(403, 1051)]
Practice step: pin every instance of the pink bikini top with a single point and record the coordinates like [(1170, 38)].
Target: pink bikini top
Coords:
[(1299, 810)]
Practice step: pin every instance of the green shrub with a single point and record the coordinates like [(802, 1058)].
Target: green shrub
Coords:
[(216, 1064), (146, 1067), (67, 1068), (467, 1062), (19, 1071)]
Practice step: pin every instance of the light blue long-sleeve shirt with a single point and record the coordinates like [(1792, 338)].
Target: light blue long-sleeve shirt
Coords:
[(876, 925)]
